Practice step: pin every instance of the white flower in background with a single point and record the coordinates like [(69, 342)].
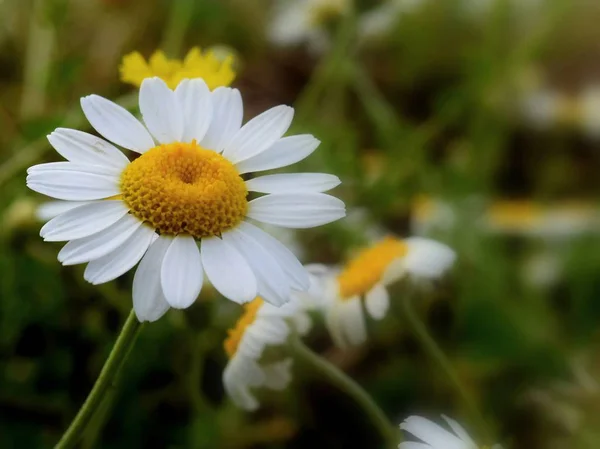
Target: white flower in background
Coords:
[(181, 207), (434, 436), (366, 276), (260, 326), (296, 22), (543, 108), (382, 19)]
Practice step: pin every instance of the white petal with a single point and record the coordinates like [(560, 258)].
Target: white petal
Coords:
[(278, 375), (161, 110), (293, 182), (237, 378), (377, 301), (431, 433), (116, 123), (120, 260), (83, 221), (353, 321), (272, 282), (335, 326), (83, 148), (289, 263), (195, 102), (427, 258), (459, 431), (259, 134), (51, 209), (414, 445), (284, 152), (68, 181), (181, 273), (149, 302), (99, 244), (227, 270), (228, 112), (296, 210)]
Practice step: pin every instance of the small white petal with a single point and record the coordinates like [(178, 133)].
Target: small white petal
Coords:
[(149, 301), (239, 374), (51, 209), (413, 445), (427, 258), (120, 260), (431, 433), (296, 210), (181, 273), (99, 244), (195, 102), (86, 149), (116, 124), (71, 182), (293, 182), (289, 263), (377, 301), (278, 375), (227, 270), (353, 321), (259, 134), (273, 285), (161, 110), (284, 152), (83, 221), (228, 112)]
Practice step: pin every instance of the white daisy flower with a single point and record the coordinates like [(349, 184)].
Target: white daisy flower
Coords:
[(434, 436), (367, 276), (260, 326), (182, 207), (296, 22)]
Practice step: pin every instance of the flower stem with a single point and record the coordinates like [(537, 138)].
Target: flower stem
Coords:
[(349, 386), (434, 351), (104, 382)]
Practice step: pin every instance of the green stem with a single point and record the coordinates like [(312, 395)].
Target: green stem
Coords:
[(434, 351), (387, 430), (180, 17), (104, 382)]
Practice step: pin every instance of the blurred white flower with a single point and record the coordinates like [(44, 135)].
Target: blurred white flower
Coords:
[(434, 436), (379, 21)]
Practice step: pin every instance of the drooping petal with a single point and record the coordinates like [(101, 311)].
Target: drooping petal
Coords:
[(116, 124), (291, 266), (161, 111), (259, 134), (293, 182), (83, 148), (273, 285), (459, 431), (226, 119), (195, 101), (149, 301), (181, 273), (228, 271), (83, 221), (353, 319), (296, 210), (68, 181), (120, 260), (377, 301), (99, 244), (284, 152)]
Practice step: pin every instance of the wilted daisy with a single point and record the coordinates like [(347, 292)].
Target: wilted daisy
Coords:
[(260, 326), (296, 22), (366, 276), (182, 207), (215, 71), (434, 436)]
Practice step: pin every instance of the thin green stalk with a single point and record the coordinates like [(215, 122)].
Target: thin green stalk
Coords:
[(104, 382), (434, 351), (387, 430), (180, 16)]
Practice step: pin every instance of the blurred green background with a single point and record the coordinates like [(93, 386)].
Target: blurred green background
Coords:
[(459, 103)]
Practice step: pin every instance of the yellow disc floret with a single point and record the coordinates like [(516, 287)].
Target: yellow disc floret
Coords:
[(184, 188), (367, 269), (234, 335), (214, 71)]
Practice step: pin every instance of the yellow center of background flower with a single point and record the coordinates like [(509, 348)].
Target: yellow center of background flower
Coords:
[(214, 71), (368, 267), (183, 188), (234, 336)]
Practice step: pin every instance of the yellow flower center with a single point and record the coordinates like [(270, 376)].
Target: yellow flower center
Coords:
[(214, 71), (234, 336), (184, 188), (367, 269)]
